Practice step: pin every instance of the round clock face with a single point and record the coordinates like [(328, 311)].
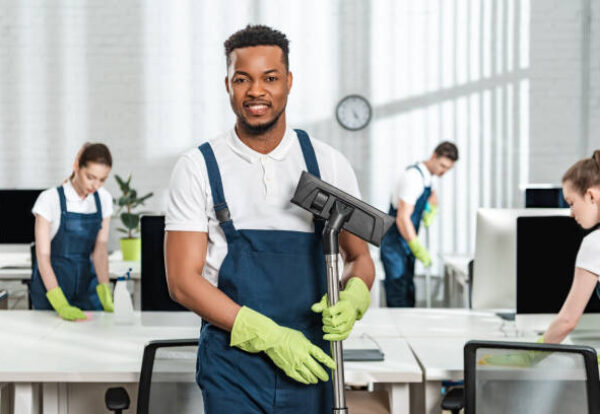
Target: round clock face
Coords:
[(353, 112)]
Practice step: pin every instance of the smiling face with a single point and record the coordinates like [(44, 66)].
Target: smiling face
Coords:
[(90, 177), (584, 208), (258, 84)]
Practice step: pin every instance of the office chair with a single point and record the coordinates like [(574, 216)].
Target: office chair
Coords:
[(167, 380), (555, 378), (155, 293)]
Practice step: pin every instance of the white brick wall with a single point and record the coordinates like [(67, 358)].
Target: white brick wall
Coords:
[(146, 77), (593, 141), (556, 138)]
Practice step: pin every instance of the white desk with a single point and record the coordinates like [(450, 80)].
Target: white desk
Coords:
[(429, 322), (16, 266), (456, 280), (397, 373), (442, 359), (38, 347)]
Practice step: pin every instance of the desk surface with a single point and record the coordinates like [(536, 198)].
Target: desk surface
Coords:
[(17, 266), (427, 322), (37, 346)]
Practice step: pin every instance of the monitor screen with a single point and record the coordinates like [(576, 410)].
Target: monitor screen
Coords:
[(546, 252), (155, 292), (16, 220), (494, 268), (545, 197)]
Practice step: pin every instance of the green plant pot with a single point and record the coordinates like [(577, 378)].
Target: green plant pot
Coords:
[(131, 249)]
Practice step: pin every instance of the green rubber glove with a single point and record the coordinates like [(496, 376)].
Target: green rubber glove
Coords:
[(420, 251), (339, 319), (429, 214), (106, 297), (288, 348), (59, 302), (518, 359)]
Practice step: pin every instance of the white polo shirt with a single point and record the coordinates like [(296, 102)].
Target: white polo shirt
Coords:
[(47, 205), (257, 187), (411, 184), (588, 256)]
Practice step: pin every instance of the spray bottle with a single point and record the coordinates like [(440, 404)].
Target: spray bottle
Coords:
[(122, 297)]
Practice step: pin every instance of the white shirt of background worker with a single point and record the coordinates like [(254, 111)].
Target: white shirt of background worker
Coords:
[(72, 221)]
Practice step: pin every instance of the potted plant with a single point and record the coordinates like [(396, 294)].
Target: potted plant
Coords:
[(127, 202)]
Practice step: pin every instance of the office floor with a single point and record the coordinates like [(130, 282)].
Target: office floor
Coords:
[(17, 294)]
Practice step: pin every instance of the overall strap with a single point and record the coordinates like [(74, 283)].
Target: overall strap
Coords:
[(216, 188), (98, 205), (309, 153), (63, 200), (416, 167), (312, 166)]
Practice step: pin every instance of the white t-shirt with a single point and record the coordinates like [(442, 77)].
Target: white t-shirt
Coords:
[(47, 205), (411, 184), (588, 257), (257, 187)]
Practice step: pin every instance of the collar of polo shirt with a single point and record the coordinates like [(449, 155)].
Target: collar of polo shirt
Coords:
[(250, 155)]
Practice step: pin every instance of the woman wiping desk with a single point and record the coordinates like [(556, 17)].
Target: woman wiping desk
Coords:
[(70, 273), (581, 190)]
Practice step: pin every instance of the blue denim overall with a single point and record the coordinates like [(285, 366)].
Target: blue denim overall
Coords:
[(279, 274), (398, 260), (70, 252)]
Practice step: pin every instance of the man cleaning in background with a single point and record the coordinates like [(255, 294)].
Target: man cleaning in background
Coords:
[(413, 200)]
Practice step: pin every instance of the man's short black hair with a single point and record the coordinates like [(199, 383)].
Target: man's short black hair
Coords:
[(447, 149), (258, 35)]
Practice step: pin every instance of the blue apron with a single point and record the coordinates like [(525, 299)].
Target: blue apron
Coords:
[(279, 274), (398, 260), (70, 252)]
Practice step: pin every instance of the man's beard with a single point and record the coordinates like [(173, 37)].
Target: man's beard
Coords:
[(262, 128)]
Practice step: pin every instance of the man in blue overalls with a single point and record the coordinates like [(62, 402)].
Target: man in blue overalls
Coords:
[(412, 200), (249, 262)]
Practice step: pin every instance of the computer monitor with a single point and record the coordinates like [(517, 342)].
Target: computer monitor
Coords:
[(494, 266), (155, 293), (545, 197), (16, 221), (546, 251)]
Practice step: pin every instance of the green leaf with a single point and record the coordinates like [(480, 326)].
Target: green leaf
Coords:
[(140, 201), (127, 202), (124, 186), (130, 220), (122, 230)]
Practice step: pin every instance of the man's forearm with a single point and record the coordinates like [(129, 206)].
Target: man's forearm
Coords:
[(361, 266), (197, 294), (406, 228)]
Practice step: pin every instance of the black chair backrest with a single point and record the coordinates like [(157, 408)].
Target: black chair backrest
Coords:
[(554, 379), (155, 293), (182, 349)]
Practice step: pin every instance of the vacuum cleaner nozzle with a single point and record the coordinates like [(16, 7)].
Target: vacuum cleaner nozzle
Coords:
[(318, 197)]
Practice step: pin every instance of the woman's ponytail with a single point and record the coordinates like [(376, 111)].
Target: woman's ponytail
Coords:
[(584, 173)]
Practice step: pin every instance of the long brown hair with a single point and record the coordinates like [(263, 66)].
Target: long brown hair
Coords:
[(584, 173)]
